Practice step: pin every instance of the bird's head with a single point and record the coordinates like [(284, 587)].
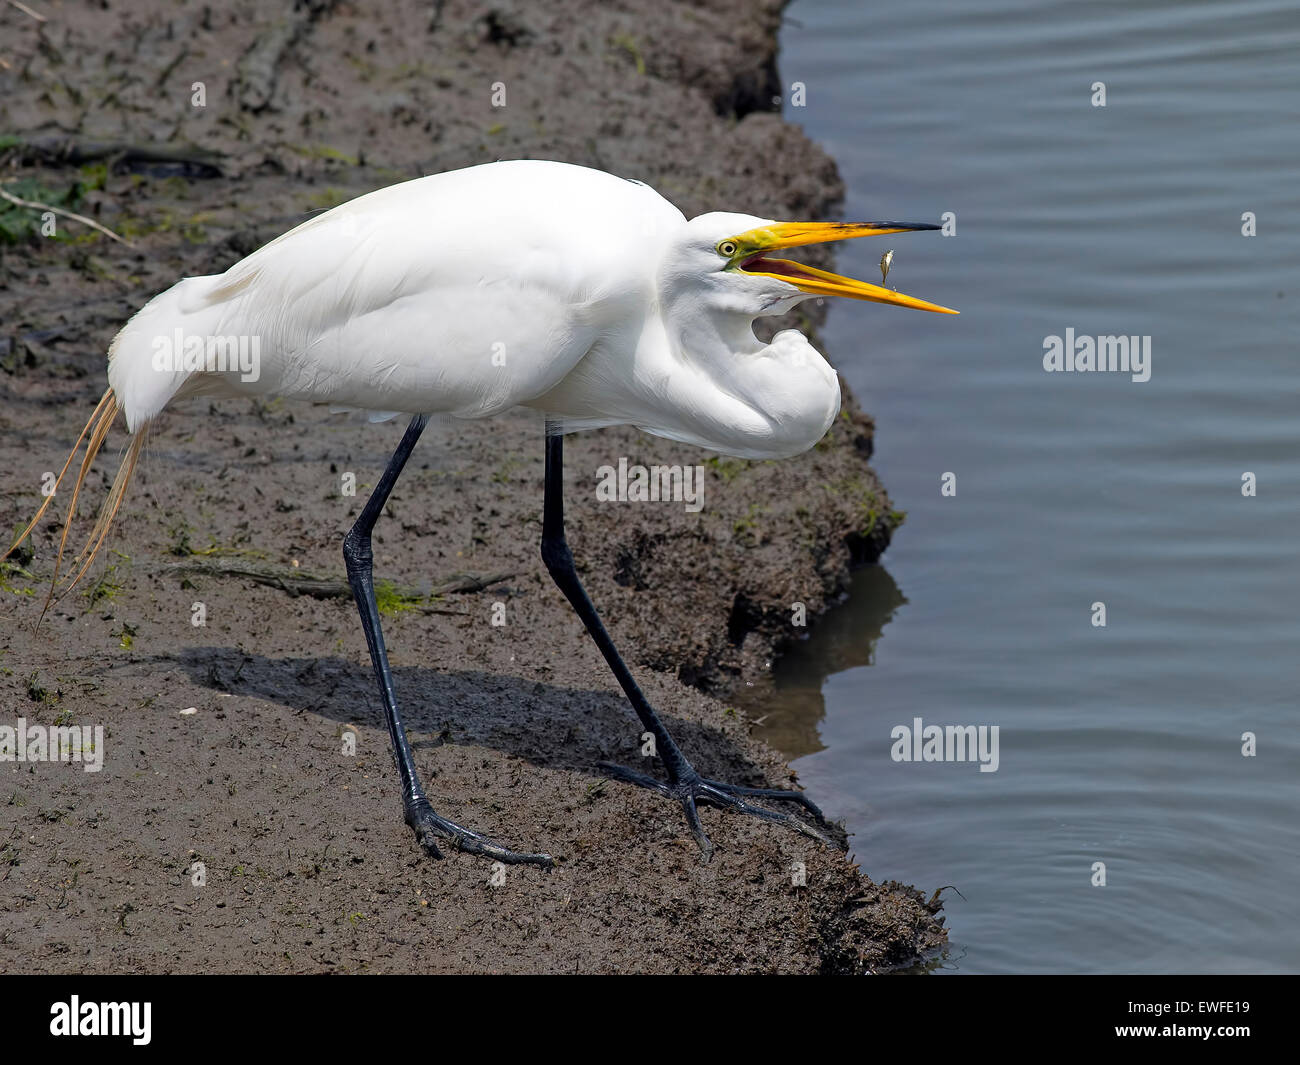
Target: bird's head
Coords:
[(733, 254), (740, 395)]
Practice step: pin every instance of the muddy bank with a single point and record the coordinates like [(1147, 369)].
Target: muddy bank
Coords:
[(308, 865)]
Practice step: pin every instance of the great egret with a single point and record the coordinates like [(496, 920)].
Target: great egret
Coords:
[(586, 296)]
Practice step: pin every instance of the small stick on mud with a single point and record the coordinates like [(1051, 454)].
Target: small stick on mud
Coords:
[(35, 206), (27, 10), (296, 583)]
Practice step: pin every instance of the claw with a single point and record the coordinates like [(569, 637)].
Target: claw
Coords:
[(781, 795), (697, 827), (723, 795), (429, 826), (630, 776), (690, 791)]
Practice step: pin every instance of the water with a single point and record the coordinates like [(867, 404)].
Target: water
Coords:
[(1120, 744)]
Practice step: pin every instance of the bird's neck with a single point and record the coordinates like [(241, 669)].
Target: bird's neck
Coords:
[(709, 334), (729, 391)]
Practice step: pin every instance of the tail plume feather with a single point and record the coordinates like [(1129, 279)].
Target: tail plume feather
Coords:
[(94, 433), (107, 397)]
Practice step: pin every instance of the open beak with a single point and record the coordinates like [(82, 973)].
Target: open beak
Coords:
[(753, 246)]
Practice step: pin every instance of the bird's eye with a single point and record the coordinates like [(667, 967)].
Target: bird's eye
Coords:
[(726, 248)]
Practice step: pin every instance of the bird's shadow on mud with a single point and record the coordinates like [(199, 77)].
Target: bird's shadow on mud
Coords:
[(546, 725)]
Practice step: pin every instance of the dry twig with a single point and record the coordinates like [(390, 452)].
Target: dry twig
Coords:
[(35, 206)]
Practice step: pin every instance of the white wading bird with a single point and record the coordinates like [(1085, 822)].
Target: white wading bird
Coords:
[(610, 309)]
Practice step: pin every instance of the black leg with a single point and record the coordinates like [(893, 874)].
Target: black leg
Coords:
[(357, 556), (684, 784)]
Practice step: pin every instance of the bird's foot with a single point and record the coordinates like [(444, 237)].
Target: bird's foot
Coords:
[(692, 789), (429, 828)]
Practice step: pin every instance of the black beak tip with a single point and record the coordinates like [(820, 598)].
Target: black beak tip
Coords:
[(904, 225)]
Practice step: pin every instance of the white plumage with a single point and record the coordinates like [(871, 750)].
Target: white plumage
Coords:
[(523, 282)]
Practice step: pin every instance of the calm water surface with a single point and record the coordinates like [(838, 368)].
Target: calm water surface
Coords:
[(1119, 744)]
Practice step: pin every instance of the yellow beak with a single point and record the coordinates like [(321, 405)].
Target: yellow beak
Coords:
[(753, 245)]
